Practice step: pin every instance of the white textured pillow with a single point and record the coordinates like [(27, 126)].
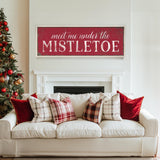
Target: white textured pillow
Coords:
[(41, 109), (111, 108), (79, 102)]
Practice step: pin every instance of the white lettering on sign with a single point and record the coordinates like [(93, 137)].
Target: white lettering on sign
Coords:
[(49, 45), (77, 46)]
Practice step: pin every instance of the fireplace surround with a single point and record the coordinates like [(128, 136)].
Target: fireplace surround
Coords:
[(47, 81)]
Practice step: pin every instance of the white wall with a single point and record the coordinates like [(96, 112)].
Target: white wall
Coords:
[(146, 52), (145, 29), (80, 13)]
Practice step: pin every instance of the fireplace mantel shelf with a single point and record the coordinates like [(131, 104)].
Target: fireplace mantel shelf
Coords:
[(77, 73)]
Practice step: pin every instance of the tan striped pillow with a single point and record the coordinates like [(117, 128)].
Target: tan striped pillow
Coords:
[(41, 109), (111, 108)]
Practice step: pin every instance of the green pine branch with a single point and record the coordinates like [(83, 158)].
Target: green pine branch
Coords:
[(11, 78)]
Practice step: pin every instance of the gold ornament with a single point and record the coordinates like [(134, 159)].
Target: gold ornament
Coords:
[(2, 79), (12, 56), (19, 81), (16, 83)]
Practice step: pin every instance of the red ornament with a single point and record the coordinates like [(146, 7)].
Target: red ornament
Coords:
[(3, 90), (5, 23), (10, 72), (5, 43), (15, 94), (3, 49), (1, 74), (7, 95), (7, 29), (1, 44), (0, 22), (0, 33)]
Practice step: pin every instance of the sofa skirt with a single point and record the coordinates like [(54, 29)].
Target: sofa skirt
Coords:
[(139, 146)]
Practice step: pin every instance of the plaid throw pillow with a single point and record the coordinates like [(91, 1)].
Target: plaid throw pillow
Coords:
[(92, 111), (62, 110), (41, 109), (111, 108)]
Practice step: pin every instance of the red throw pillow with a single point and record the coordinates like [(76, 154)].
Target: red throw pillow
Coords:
[(130, 108), (62, 110), (23, 109)]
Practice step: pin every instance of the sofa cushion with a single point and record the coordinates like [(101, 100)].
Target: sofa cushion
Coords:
[(34, 130), (78, 129), (53, 96), (124, 128), (79, 102), (42, 96)]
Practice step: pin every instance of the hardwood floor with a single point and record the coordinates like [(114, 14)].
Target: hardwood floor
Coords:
[(110, 158)]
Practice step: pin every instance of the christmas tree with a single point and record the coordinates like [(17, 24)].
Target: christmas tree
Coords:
[(11, 79)]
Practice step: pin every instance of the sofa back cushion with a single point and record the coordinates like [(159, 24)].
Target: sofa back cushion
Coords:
[(79, 102), (41, 96)]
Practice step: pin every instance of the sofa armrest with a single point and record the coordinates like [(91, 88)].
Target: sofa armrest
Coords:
[(149, 122), (6, 125)]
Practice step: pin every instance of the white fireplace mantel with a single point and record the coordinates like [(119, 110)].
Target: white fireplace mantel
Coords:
[(45, 81)]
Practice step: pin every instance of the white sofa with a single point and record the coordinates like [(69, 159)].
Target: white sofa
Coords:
[(79, 137)]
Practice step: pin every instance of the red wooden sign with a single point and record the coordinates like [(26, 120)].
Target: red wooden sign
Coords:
[(80, 41)]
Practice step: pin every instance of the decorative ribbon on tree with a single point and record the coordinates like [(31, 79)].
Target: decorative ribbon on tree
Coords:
[(11, 79)]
